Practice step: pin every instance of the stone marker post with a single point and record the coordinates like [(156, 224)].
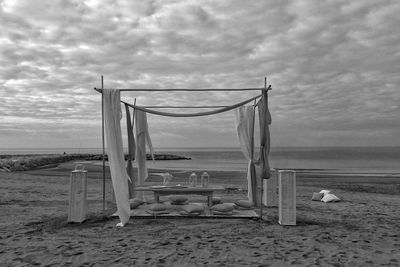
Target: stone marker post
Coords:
[(287, 197), (77, 195), (270, 196)]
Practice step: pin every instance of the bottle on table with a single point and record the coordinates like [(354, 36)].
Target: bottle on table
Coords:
[(167, 178), (205, 179), (193, 179)]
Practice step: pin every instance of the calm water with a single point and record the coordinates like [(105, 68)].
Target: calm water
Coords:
[(351, 159), (365, 159)]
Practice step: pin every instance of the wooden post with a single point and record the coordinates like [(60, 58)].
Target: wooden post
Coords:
[(77, 196), (102, 140), (257, 192), (261, 197), (270, 197), (262, 191), (287, 197)]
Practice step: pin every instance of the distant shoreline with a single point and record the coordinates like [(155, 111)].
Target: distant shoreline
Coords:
[(25, 162)]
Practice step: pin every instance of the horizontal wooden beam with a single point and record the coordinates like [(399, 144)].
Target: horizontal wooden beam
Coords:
[(190, 90)]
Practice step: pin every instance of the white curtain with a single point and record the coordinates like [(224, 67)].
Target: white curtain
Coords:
[(131, 152), (116, 159), (142, 137), (245, 129)]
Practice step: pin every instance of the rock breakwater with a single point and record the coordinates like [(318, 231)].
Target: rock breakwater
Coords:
[(11, 163)]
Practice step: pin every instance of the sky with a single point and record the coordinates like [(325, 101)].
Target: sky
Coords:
[(334, 68)]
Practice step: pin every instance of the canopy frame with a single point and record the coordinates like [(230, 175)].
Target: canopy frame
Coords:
[(223, 108)]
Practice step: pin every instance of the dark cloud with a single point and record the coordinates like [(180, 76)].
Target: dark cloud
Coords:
[(333, 67)]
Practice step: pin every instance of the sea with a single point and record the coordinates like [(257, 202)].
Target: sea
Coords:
[(373, 160)]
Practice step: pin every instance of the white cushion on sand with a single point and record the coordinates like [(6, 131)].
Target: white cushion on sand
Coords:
[(330, 198), (325, 192)]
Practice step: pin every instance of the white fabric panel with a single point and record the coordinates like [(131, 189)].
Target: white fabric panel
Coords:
[(131, 152), (116, 159), (142, 137), (245, 127)]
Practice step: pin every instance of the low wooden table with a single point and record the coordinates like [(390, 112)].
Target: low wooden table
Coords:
[(175, 190)]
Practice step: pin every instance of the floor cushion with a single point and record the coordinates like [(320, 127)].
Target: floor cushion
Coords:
[(191, 208), (244, 204), (157, 207), (325, 192), (216, 200), (135, 202), (317, 196), (330, 198), (178, 200)]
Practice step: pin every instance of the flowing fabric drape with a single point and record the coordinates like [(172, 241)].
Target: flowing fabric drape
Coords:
[(245, 129), (142, 137), (198, 114), (265, 121), (116, 159), (131, 151)]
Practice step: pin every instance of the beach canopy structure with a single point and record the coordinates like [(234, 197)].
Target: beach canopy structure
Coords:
[(123, 178)]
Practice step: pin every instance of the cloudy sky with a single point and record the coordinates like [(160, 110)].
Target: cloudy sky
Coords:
[(334, 67)]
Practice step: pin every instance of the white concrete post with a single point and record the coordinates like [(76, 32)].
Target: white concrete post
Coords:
[(270, 196), (77, 196), (287, 197)]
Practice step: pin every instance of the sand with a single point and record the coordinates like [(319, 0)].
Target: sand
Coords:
[(362, 230)]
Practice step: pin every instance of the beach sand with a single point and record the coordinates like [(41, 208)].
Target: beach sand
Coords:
[(361, 230)]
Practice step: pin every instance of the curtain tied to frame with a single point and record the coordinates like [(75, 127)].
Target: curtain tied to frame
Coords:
[(245, 129), (265, 121)]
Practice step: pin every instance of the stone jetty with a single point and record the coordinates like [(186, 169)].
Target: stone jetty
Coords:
[(11, 163)]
